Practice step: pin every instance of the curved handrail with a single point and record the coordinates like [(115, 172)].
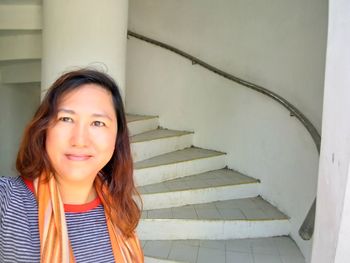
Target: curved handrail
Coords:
[(306, 230)]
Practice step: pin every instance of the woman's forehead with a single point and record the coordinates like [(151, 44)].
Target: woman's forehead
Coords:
[(87, 98)]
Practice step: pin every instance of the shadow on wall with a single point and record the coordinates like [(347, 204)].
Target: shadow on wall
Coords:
[(17, 106)]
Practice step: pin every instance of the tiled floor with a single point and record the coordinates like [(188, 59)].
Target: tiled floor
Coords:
[(216, 178), (238, 209), (258, 250)]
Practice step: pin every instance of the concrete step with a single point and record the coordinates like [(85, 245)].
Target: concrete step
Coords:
[(218, 185), (140, 123), (20, 45), (24, 16), (177, 164), (160, 141), (159, 260), (231, 219), (280, 249), (16, 72)]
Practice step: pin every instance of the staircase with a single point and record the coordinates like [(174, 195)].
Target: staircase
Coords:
[(193, 204)]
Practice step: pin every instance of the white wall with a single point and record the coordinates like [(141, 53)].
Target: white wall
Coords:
[(279, 44), (258, 134), (332, 235), (17, 105)]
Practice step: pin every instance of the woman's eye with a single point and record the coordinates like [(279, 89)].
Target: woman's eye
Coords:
[(65, 119), (98, 124)]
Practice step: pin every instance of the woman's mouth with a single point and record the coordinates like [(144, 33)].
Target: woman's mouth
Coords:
[(78, 157)]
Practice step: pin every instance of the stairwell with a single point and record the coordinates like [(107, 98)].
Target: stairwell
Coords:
[(195, 208), (198, 210)]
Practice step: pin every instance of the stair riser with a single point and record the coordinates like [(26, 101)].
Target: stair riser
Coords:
[(199, 196), (149, 149), (163, 173), (20, 17), (137, 127), (22, 72), (21, 46), (177, 229)]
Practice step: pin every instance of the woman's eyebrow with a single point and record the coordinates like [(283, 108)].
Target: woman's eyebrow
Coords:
[(99, 115), (102, 115), (66, 110)]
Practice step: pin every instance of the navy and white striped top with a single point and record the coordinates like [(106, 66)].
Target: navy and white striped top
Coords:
[(19, 234)]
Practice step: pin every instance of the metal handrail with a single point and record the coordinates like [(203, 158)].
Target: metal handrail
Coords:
[(306, 230)]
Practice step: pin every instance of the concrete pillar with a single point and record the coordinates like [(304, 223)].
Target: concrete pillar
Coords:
[(332, 228), (80, 33)]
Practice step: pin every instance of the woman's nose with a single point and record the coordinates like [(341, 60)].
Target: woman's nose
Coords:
[(80, 135)]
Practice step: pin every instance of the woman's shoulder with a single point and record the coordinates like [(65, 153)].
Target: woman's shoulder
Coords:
[(13, 192), (10, 182), (11, 186)]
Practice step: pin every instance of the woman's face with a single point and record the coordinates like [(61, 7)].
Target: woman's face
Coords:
[(81, 140)]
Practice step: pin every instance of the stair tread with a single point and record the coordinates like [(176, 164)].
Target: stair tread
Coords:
[(216, 178), (157, 134), (239, 209), (184, 155), (136, 117), (275, 249)]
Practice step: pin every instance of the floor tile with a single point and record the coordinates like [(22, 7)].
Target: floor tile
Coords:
[(239, 245), (184, 253), (197, 184), (264, 246), (231, 214), (159, 249), (175, 186), (205, 206), (187, 212), (208, 213), (214, 244), (188, 242), (210, 255), (238, 257), (287, 247), (156, 188), (293, 259), (263, 258), (253, 213), (160, 213)]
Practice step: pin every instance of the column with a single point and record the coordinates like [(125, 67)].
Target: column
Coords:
[(81, 33)]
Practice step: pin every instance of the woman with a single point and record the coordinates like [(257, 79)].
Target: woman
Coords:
[(73, 200)]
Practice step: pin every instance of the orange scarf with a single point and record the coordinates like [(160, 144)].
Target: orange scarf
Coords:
[(54, 243)]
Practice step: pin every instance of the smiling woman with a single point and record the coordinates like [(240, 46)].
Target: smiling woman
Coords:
[(81, 140), (74, 198)]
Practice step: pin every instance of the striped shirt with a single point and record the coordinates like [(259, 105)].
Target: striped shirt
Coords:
[(19, 234)]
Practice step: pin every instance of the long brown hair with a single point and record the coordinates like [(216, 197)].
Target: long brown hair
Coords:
[(117, 174)]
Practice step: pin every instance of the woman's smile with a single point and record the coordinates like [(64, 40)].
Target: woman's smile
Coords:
[(78, 157)]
